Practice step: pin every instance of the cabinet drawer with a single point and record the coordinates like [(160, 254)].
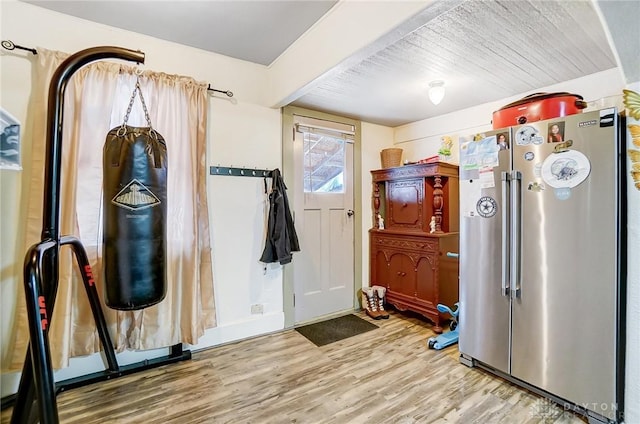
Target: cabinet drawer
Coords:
[(426, 244)]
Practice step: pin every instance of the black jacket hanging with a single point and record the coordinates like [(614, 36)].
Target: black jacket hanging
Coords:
[(135, 211), (281, 233)]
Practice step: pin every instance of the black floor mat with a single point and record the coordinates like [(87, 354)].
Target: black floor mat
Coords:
[(325, 332)]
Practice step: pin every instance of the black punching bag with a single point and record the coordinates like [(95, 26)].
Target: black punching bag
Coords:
[(135, 211)]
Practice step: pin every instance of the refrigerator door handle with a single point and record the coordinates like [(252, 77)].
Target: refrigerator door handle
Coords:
[(505, 234), (516, 244)]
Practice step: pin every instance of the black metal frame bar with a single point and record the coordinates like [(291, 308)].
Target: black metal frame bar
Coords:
[(41, 270), (621, 319), (239, 172)]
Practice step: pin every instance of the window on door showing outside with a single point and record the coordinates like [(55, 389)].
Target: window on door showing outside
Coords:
[(323, 163)]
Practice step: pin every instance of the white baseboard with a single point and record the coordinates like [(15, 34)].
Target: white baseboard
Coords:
[(240, 330)]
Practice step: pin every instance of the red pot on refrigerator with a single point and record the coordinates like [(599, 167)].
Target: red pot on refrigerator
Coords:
[(537, 107)]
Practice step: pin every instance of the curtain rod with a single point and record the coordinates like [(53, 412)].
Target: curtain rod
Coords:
[(9, 45), (227, 92)]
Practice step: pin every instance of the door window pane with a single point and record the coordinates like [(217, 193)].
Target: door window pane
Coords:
[(323, 163)]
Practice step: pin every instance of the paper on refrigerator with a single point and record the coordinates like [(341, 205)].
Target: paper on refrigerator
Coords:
[(468, 203), (481, 153)]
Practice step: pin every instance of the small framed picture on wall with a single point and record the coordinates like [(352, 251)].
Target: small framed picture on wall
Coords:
[(9, 141)]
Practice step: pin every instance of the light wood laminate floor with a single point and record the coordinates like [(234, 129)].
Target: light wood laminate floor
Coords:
[(386, 375)]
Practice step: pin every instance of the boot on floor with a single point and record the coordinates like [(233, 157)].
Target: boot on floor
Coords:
[(369, 303), (379, 292)]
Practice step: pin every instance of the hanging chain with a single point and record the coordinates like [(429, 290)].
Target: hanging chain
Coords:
[(144, 105), (123, 128)]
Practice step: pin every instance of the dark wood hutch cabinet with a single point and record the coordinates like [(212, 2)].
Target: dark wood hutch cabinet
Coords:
[(406, 257)]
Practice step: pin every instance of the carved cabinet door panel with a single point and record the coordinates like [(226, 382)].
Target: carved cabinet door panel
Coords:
[(402, 276), (405, 204), (380, 270), (427, 280)]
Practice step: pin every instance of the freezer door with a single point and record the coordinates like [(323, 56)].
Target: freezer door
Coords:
[(484, 301), (564, 315)]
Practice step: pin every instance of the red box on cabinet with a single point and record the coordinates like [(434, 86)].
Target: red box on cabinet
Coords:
[(537, 107)]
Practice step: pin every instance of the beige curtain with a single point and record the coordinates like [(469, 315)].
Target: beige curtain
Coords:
[(96, 100)]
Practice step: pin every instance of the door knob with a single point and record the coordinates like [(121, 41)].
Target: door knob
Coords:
[(350, 212)]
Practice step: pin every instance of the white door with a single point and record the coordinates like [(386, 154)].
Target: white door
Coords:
[(323, 270)]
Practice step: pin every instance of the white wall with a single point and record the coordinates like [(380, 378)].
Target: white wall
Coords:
[(238, 223), (374, 139)]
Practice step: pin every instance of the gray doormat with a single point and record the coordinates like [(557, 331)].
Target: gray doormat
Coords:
[(325, 332)]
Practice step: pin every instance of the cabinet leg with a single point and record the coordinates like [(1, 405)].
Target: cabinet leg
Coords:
[(437, 321)]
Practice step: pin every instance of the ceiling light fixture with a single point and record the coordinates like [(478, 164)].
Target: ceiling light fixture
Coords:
[(436, 91)]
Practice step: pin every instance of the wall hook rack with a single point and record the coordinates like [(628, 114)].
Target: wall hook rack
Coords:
[(239, 172)]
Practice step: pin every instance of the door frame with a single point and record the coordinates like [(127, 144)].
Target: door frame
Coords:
[(288, 131)]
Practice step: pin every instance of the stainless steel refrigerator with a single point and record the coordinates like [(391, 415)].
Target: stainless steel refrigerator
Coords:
[(541, 239)]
